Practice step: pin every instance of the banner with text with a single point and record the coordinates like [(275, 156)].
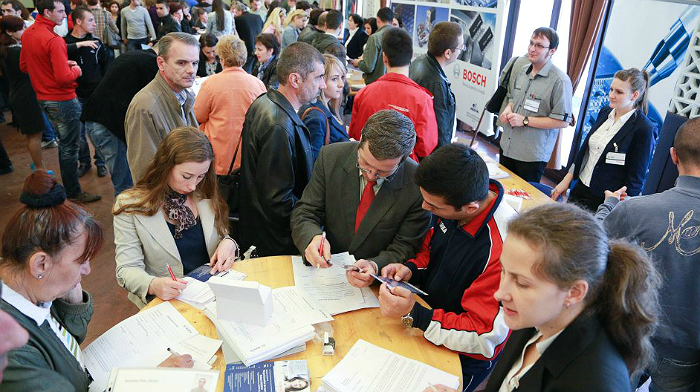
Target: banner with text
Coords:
[(474, 76)]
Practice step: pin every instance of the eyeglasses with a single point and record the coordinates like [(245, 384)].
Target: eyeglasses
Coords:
[(380, 174), (537, 46), (460, 48)]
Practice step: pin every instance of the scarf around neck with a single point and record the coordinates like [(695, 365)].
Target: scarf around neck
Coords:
[(178, 212)]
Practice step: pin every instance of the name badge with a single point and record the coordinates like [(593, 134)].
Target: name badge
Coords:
[(532, 105), (615, 158)]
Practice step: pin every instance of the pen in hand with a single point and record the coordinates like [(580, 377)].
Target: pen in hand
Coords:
[(320, 248), (170, 270), (173, 352)]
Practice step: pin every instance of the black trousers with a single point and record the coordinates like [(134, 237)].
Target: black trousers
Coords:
[(528, 171), (582, 196)]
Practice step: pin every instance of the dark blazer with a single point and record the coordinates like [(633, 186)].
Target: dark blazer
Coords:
[(202, 68), (276, 163), (316, 123), (127, 75), (394, 226), (427, 72), (308, 34), (167, 25), (248, 26), (636, 139), (269, 76), (581, 359), (357, 44)]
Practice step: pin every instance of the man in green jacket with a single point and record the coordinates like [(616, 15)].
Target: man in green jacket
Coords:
[(371, 60)]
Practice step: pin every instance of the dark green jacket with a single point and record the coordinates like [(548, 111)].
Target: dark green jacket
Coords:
[(44, 363), (371, 63)]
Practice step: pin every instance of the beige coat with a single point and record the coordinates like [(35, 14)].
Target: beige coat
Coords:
[(152, 114), (144, 245)]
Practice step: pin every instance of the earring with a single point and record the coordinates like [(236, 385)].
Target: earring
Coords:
[(566, 304), (40, 276)]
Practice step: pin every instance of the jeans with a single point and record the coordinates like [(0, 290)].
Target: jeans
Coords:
[(114, 152), (670, 375), (65, 119), (135, 43), (84, 156), (49, 133), (582, 196)]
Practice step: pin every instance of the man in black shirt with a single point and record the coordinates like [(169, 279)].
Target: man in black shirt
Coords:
[(91, 55)]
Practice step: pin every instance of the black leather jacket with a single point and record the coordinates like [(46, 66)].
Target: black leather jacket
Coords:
[(276, 165), (427, 72)]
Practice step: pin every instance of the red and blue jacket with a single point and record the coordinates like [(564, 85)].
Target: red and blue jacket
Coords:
[(460, 269)]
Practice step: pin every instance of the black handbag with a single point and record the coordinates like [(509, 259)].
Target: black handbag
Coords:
[(494, 104), (229, 184)]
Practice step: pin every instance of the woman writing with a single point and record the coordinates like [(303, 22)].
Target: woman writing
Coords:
[(220, 21), (209, 63), (274, 22), (293, 24), (223, 101), (582, 307), (173, 216), (46, 249), (618, 149), (266, 54), (322, 117)]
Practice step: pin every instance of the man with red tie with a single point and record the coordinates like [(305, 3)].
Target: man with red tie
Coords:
[(363, 196)]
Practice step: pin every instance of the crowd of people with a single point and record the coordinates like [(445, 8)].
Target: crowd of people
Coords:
[(553, 298)]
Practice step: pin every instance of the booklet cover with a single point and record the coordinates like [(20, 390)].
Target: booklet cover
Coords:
[(278, 376)]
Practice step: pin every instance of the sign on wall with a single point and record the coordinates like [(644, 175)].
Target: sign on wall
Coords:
[(474, 76)]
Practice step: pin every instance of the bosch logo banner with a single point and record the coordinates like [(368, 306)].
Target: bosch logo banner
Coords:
[(474, 77)]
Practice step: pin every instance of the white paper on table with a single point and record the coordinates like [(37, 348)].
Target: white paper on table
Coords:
[(330, 286), (161, 379), (369, 368), (200, 347), (140, 340), (513, 201), (300, 305), (196, 292), (495, 172)]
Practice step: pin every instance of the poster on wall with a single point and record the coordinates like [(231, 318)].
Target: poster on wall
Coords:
[(474, 76), (661, 32)]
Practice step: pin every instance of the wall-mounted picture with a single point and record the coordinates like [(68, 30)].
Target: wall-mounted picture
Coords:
[(479, 29), (477, 3), (407, 13), (426, 18)]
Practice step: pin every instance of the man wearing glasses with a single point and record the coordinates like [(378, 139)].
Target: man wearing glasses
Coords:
[(397, 91), (538, 106), (445, 44), (363, 196)]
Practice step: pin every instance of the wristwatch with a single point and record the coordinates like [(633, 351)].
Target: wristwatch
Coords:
[(526, 121), (407, 320)]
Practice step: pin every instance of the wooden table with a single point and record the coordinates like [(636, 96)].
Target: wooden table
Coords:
[(367, 324), (515, 182)]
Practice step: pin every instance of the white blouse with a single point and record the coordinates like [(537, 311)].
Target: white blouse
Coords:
[(512, 381), (599, 140)]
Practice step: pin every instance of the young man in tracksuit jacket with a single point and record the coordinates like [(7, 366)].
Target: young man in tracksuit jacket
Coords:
[(91, 55), (458, 265)]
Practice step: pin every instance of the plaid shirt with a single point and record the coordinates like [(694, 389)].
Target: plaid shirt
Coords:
[(102, 17)]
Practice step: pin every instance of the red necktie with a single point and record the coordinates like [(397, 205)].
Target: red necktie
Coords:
[(365, 202)]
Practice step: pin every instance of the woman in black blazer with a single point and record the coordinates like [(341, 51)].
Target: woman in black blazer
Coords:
[(209, 63), (618, 149), (267, 51), (322, 117), (356, 42), (582, 307)]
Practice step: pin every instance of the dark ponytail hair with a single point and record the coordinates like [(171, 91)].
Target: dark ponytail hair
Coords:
[(622, 281), (639, 80), (218, 7)]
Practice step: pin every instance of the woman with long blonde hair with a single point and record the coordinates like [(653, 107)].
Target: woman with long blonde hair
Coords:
[(295, 22), (274, 22), (322, 117), (173, 218)]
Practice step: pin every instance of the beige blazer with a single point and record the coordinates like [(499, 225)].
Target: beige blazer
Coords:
[(144, 245)]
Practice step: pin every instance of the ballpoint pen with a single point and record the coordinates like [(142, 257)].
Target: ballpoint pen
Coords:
[(172, 275), (320, 248)]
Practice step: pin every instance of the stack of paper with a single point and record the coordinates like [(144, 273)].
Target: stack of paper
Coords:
[(162, 379), (202, 349), (368, 368), (141, 340), (294, 313), (198, 293), (330, 287)]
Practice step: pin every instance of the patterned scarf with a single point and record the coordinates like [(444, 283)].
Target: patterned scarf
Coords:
[(178, 212)]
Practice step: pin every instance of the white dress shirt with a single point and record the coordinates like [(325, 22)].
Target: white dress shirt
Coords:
[(599, 140), (512, 381), (351, 33)]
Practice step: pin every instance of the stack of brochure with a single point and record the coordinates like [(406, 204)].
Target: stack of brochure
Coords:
[(368, 368), (294, 313), (278, 376)]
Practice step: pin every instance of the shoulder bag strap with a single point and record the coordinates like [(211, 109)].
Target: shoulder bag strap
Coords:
[(327, 139), (235, 154)]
